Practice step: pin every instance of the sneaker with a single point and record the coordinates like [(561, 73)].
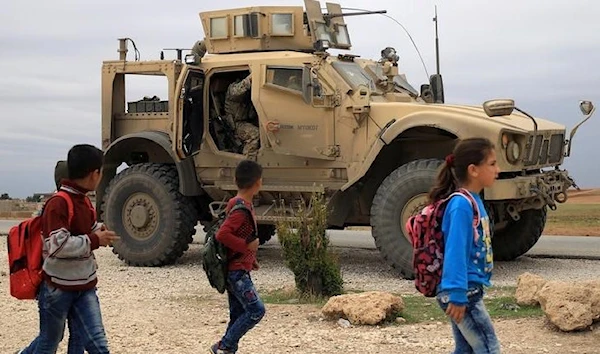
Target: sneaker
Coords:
[(214, 349)]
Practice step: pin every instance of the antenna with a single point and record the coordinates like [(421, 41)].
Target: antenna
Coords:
[(405, 30), (437, 43)]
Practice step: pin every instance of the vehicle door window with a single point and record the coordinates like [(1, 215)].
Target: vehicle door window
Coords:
[(285, 77)]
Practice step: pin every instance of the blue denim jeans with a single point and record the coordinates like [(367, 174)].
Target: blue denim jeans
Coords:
[(475, 333), (246, 308), (82, 311)]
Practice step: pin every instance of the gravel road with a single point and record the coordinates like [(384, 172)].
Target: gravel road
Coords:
[(173, 310)]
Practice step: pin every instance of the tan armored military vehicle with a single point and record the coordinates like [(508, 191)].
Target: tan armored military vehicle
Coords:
[(351, 128)]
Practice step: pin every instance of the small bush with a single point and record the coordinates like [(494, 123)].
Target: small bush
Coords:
[(304, 243)]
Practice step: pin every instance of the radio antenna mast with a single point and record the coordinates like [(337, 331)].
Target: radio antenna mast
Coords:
[(437, 43)]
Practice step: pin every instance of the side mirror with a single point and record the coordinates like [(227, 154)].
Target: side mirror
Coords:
[(497, 108), (586, 107), (306, 85), (310, 86), (316, 88), (437, 88), (426, 93)]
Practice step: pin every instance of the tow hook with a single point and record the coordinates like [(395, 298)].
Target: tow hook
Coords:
[(551, 203)]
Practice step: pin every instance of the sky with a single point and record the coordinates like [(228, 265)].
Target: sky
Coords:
[(542, 54)]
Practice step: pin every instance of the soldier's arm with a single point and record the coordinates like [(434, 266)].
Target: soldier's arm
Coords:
[(237, 89)]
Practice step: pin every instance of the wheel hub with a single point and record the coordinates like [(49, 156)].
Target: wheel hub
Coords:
[(140, 216), (412, 207)]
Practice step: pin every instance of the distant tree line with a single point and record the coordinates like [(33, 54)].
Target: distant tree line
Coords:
[(36, 198)]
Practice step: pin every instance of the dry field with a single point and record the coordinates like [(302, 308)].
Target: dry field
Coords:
[(579, 216)]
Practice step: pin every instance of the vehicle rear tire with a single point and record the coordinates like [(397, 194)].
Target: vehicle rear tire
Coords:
[(142, 204), (401, 194), (519, 237)]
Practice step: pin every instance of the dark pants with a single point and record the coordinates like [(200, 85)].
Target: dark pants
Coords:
[(475, 333), (81, 309), (246, 308)]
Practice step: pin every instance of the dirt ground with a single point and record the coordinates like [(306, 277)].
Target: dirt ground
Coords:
[(584, 196), (173, 310)]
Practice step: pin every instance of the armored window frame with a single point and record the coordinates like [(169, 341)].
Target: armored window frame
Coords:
[(272, 79), (321, 31), (342, 30), (248, 25), (241, 28), (353, 74), (272, 31), (225, 30)]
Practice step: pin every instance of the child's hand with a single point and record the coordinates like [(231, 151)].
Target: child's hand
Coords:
[(456, 312), (106, 237), (255, 265), (253, 246)]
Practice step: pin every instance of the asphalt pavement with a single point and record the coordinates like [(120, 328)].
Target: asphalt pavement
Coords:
[(547, 246)]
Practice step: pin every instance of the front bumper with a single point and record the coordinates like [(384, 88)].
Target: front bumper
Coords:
[(546, 188)]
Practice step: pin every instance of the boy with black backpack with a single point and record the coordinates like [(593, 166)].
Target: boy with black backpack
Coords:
[(70, 234), (238, 235)]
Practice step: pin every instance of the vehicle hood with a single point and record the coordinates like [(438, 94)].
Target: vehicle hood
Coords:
[(453, 114)]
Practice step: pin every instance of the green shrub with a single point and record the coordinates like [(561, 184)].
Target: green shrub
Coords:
[(304, 243)]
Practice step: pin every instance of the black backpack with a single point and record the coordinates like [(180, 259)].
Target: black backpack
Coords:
[(214, 254)]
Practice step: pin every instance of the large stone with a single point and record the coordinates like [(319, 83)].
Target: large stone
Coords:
[(567, 305), (594, 286), (363, 308), (528, 286), (569, 315)]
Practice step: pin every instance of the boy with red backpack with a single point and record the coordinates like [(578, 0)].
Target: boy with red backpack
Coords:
[(70, 234), (238, 235)]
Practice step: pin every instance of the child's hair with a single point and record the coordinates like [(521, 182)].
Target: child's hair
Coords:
[(84, 159), (454, 172), (247, 173), (61, 171)]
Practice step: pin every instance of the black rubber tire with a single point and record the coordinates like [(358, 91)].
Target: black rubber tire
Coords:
[(404, 183), (176, 215), (519, 237), (265, 233)]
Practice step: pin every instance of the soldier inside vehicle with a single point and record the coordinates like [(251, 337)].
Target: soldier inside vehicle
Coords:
[(233, 118)]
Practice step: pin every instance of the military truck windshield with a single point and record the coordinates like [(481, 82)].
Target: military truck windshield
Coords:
[(401, 82), (353, 74)]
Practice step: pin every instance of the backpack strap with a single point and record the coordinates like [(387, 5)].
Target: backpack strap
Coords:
[(476, 212), (240, 204), (67, 199)]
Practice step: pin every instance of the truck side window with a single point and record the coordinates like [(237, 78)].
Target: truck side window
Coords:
[(289, 78)]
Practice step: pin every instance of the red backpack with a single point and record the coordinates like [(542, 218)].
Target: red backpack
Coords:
[(25, 248), (425, 231)]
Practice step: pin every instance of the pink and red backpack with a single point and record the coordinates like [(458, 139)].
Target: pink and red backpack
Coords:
[(425, 231)]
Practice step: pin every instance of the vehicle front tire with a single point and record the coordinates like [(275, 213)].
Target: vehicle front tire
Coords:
[(518, 237), (142, 204), (401, 194)]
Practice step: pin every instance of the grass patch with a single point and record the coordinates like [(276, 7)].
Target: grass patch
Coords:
[(499, 301), (574, 219), (291, 297), (422, 309), (506, 307)]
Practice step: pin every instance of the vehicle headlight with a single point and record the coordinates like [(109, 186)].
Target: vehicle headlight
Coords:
[(513, 151), (512, 147)]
